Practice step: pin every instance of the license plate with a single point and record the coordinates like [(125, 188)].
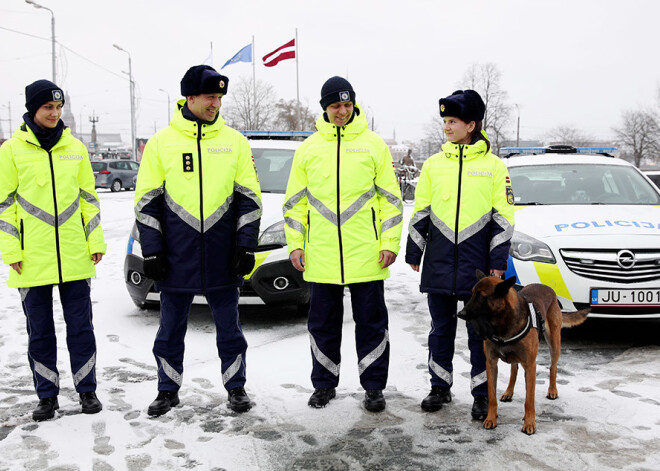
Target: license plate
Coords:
[(625, 297)]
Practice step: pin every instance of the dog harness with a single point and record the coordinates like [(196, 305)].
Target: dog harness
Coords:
[(534, 320)]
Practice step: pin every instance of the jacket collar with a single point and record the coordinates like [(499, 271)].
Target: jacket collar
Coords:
[(349, 132), (26, 134), (190, 128), (470, 151)]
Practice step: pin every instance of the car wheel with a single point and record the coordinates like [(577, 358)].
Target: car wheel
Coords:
[(116, 185), (147, 305), (303, 309)]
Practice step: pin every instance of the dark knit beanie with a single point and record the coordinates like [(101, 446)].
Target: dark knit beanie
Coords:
[(336, 89), (203, 79), (465, 105), (40, 92)]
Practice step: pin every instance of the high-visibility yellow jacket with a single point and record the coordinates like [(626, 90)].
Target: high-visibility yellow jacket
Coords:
[(463, 218), (343, 203), (197, 198), (50, 216)]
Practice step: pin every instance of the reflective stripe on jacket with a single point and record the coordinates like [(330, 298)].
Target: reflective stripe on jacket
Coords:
[(197, 198), (343, 203), (50, 215), (463, 218)]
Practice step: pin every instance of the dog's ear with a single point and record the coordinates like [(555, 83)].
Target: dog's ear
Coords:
[(501, 289), (480, 274)]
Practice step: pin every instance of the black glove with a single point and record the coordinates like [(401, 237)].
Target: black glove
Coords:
[(243, 261), (156, 267)]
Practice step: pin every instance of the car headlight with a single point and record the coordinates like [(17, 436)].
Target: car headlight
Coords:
[(273, 235), (526, 248)]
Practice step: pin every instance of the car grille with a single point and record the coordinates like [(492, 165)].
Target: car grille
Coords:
[(606, 265)]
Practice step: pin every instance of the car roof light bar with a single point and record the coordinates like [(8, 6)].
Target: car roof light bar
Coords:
[(556, 149)]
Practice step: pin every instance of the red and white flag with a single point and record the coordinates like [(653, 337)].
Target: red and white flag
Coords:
[(288, 51)]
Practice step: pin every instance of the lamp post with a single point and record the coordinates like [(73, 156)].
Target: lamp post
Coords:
[(131, 87), (518, 127), (52, 28), (168, 105)]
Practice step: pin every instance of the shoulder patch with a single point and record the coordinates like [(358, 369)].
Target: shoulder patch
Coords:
[(509, 195)]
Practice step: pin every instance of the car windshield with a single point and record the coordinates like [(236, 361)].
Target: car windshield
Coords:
[(580, 184), (273, 167), (97, 166)]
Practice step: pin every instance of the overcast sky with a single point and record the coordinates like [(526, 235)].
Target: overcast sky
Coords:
[(564, 62)]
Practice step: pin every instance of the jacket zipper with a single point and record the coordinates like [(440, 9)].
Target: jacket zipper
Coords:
[(57, 224), (341, 250), (309, 227), (201, 208), (22, 236), (373, 217), (458, 212)]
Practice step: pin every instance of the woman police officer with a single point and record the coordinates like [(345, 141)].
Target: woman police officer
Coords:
[(462, 221)]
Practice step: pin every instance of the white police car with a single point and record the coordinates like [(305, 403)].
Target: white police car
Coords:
[(588, 225), (273, 280)]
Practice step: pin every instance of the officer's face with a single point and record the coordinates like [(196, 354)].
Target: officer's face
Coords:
[(48, 114), (340, 112), (457, 130), (205, 106)]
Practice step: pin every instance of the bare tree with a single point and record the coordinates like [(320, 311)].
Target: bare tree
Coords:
[(287, 116), (639, 135), (486, 79), (569, 135), (250, 107)]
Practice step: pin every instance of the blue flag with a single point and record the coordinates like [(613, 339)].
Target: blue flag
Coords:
[(244, 55)]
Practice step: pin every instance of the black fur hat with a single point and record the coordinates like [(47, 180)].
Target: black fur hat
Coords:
[(336, 89), (203, 79), (40, 92), (465, 105)]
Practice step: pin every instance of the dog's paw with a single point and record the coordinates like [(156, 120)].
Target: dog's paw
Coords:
[(506, 397), (552, 395), (490, 423), (529, 428)]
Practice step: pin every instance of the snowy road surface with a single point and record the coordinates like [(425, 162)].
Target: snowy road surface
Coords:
[(607, 416)]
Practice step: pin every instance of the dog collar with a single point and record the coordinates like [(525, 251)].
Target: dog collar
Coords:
[(532, 322)]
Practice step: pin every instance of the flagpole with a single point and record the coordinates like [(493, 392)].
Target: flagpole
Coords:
[(254, 78), (298, 84)]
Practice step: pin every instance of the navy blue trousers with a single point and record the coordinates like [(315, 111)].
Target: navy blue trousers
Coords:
[(42, 344), (442, 338), (169, 346), (326, 314)]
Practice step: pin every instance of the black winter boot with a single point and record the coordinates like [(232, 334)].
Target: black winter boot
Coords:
[(46, 409), (374, 401), (239, 400), (480, 408), (436, 398), (90, 403), (321, 397), (163, 403)]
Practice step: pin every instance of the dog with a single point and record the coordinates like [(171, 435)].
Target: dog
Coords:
[(511, 323)]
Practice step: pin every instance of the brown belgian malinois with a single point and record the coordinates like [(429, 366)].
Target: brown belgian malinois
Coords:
[(511, 322)]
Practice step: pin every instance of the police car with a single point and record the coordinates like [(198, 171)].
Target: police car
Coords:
[(273, 280), (587, 224)]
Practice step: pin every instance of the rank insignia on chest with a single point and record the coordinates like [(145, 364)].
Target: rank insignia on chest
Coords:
[(187, 162)]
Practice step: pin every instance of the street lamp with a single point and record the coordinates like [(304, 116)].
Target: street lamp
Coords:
[(168, 105), (518, 127), (131, 87), (52, 27)]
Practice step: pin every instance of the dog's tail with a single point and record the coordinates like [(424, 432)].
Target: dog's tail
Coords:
[(571, 319)]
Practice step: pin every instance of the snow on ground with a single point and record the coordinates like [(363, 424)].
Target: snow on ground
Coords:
[(607, 416)]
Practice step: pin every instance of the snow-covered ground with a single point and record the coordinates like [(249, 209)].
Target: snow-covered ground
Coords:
[(607, 416)]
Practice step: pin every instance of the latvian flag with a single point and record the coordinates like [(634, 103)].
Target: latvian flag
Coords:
[(288, 51)]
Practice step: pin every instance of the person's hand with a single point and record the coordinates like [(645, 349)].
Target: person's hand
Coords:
[(156, 267), (414, 267), (243, 261), (96, 257), (18, 267), (297, 258), (386, 258), (497, 273)]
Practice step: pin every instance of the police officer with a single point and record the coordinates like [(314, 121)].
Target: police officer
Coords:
[(50, 234), (462, 221), (343, 216), (198, 207)]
